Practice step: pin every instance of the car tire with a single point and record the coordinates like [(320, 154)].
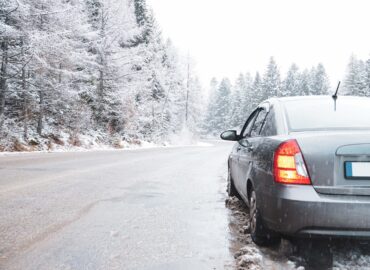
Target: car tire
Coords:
[(231, 190), (260, 235)]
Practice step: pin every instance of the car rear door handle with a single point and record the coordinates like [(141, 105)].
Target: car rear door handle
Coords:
[(250, 148)]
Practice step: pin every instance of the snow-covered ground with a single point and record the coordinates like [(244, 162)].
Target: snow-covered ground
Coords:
[(248, 256), (129, 147), (94, 142)]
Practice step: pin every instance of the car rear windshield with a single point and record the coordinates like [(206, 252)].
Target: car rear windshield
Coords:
[(319, 114)]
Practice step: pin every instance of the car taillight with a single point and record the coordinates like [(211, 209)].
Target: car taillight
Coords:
[(289, 165)]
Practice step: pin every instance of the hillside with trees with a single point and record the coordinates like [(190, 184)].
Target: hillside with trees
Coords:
[(99, 72), (90, 72)]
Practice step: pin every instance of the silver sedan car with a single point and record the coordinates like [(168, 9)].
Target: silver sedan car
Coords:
[(302, 165)]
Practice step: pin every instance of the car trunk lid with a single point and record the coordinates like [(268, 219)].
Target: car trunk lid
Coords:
[(338, 162)]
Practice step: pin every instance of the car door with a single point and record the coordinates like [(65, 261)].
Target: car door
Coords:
[(233, 162), (245, 131), (248, 144)]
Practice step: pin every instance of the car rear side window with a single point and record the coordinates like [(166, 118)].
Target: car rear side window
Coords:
[(269, 127), (320, 114), (249, 123), (260, 120)]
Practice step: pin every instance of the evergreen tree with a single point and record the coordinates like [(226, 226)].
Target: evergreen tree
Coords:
[(237, 102), (196, 106), (11, 46), (320, 82), (355, 82), (223, 106), (271, 80), (210, 119), (305, 83), (350, 80), (247, 96), (258, 92), (367, 78), (141, 12), (292, 82)]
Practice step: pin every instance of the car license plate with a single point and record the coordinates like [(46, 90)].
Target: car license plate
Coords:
[(357, 170)]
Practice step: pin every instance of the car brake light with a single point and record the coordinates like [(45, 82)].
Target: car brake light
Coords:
[(289, 165)]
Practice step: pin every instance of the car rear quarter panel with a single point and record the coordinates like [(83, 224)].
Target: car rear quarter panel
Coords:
[(261, 174)]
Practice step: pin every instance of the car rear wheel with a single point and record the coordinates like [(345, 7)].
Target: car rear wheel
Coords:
[(231, 190), (260, 234)]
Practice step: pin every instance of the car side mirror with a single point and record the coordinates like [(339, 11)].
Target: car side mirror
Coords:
[(229, 135)]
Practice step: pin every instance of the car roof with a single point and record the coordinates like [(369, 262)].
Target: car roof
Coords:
[(308, 98), (281, 119)]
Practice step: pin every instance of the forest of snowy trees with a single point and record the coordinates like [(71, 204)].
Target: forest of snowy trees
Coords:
[(96, 69), (231, 103), (98, 72), (357, 80)]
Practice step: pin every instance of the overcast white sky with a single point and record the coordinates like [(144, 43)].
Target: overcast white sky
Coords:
[(226, 37)]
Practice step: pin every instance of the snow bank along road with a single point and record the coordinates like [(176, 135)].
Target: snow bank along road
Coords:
[(146, 209)]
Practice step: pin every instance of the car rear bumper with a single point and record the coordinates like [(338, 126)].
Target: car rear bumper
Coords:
[(301, 211)]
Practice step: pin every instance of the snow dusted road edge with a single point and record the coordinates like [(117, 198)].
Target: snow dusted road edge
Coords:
[(341, 254), (127, 147), (247, 255)]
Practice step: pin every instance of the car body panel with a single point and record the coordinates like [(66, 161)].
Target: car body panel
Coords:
[(332, 205), (300, 210), (325, 156)]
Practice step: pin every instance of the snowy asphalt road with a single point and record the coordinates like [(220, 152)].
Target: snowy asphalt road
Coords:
[(145, 209)]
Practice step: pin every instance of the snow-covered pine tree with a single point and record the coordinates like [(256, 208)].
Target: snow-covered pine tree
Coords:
[(305, 83), (320, 81), (292, 83), (151, 93), (210, 121), (258, 93), (367, 78), (362, 79), (271, 80), (172, 111), (223, 106), (12, 56), (237, 101), (247, 95), (350, 81), (355, 82), (195, 106)]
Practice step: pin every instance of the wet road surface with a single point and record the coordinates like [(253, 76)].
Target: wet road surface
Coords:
[(144, 209), (148, 209)]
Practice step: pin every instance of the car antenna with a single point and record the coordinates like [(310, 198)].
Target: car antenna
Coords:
[(335, 97)]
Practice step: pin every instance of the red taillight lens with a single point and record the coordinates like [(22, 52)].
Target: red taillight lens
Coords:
[(289, 165)]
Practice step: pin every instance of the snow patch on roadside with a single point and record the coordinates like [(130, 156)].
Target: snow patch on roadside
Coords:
[(92, 141), (203, 144), (352, 259), (88, 144), (247, 255), (250, 259)]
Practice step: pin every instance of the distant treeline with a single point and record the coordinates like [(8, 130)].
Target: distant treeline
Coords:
[(231, 103)]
